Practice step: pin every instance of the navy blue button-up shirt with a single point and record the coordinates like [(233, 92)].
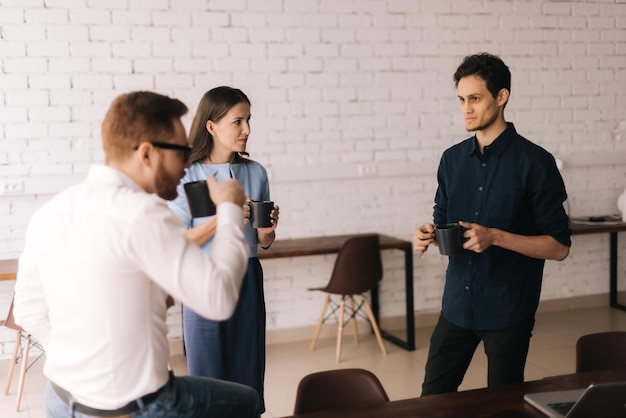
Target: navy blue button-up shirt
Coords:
[(514, 186)]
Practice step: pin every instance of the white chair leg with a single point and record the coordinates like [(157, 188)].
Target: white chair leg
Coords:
[(16, 349), (370, 314), (355, 327), (319, 323), (342, 307), (24, 367)]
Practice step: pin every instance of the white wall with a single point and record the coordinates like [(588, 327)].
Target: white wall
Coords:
[(352, 103)]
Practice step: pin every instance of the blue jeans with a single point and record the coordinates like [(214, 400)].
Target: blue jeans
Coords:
[(183, 397)]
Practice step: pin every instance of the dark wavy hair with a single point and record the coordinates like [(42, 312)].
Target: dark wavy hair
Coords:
[(488, 67), (213, 105)]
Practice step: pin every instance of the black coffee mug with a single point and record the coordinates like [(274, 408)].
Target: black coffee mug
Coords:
[(260, 213), (200, 203), (449, 238)]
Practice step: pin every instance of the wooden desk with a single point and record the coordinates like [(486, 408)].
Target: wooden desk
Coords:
[(330, 245), (612, 229), (503, 402), (8, 269)]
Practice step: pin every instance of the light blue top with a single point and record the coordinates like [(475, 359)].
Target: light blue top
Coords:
[(251, 175)]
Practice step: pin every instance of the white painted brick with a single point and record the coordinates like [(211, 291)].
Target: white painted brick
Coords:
[(145, 49), (299, 6), (25, 65), (147, 34), (229, 5), (48, 49), (95, 82), (323, 21), (148, 4), (25, 130), (27, 98), (163, 82), (90, 49), (68, 32), (229, 34), (109, 4), (147, 66), (13, 115), (54, 16), (126, 17), (11, 15), (171, 18), (210, 19), (90, 16), (23, 32), (13, 49), (131, 82), (63, 66), (612, 35), (49, 114), (306, 35)]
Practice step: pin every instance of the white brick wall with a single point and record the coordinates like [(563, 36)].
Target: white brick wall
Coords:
[(338, 88)]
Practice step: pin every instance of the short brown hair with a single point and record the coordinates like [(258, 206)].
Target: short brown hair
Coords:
[(137, 117)]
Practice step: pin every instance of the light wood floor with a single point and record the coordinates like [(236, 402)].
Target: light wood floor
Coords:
[(552, 352)]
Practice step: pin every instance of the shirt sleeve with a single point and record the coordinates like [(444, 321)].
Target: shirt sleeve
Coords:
[(547, 194), (30, 307), (207, 283)]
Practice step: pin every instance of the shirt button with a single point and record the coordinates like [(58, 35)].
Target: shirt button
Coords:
[(484, 164), (480, 188), (475, 213), (469, 262), (466, 287)]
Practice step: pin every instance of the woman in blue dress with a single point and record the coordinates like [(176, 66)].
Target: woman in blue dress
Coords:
[(234, 349)]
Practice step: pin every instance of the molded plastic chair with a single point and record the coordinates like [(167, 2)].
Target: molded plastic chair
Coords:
[(603, 350), (20, 353), (358, 269), (342, 388)]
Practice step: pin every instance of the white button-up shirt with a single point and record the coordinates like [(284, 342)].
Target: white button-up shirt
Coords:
[(98, 262)]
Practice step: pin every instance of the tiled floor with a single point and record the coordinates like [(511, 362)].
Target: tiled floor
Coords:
[(401, 372)]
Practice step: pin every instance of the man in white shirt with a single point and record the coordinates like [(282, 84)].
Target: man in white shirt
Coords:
[(99, 261)]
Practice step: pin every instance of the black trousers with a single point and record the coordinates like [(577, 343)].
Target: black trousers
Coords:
[(452, 349)]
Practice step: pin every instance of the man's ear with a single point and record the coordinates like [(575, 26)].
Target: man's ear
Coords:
[(144, 154), (503, 97)]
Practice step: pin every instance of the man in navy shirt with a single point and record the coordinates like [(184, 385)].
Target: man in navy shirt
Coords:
[(508, 194)]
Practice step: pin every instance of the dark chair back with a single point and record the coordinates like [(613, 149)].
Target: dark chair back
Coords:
[(358, 267), (341, 388), (603, 350)]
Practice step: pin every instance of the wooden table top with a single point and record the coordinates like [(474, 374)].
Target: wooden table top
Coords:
[(324, 245), (502, 402), (8, 269), (596, 227)]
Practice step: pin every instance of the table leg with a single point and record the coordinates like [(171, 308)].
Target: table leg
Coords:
[(613, 273), (409, 344)]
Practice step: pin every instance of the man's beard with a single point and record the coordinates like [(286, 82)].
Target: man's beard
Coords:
[(165, 186), (485, 125)]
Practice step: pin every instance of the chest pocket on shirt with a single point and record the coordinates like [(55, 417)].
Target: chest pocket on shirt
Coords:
[(503, 205)]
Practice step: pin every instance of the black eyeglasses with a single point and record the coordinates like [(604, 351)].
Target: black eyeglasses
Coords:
[(186, 149)]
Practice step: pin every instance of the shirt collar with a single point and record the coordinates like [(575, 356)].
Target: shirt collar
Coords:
[(498, 145), (108, 174)]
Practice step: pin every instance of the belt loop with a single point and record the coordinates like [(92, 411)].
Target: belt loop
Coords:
[(142, 407), (71, 407)]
